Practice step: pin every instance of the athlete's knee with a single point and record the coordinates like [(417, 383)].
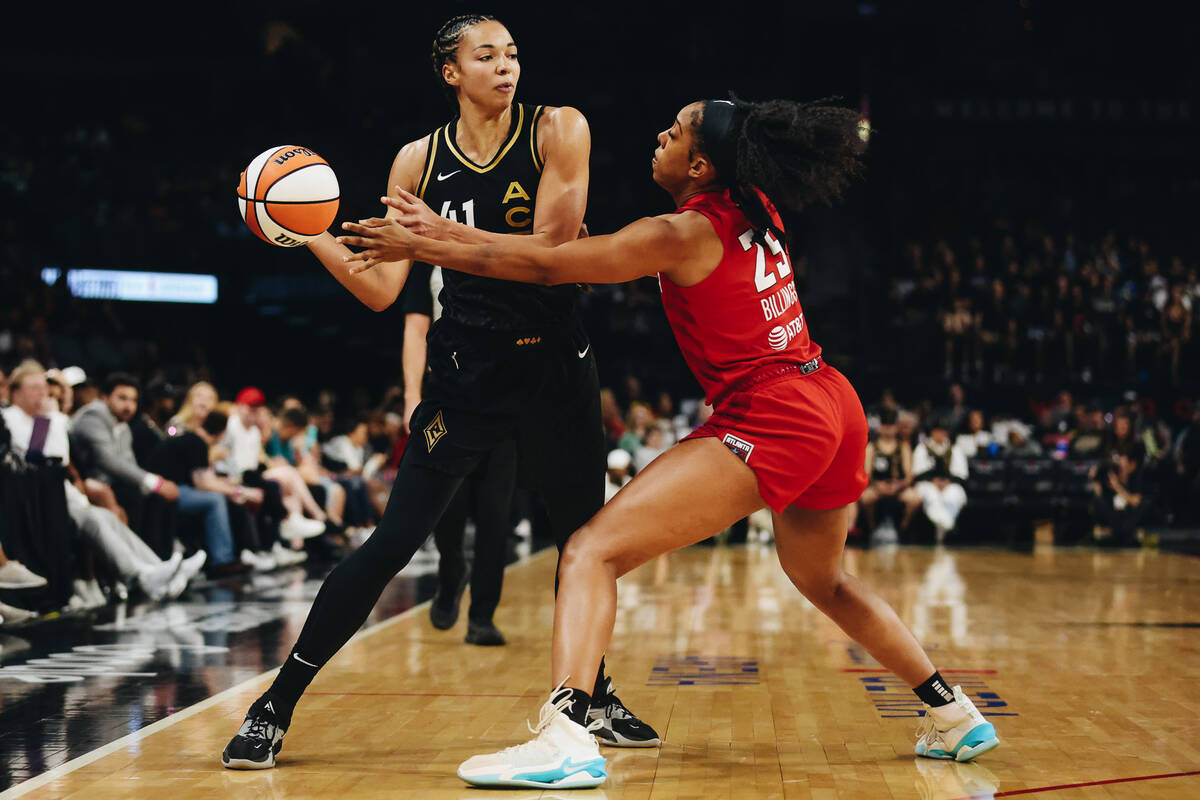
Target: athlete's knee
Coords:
[(585, 547), (821, 588)]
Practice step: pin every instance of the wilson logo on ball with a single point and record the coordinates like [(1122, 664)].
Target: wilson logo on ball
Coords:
[(299, 151), (288, 195)]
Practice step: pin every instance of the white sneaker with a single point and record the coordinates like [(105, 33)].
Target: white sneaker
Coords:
[(177, 586), (11, 615), (286, 556), (563, 755), (15, 575), (192, 565), (297, 526), (95, 594), (154, 580), (259, 562), (86, 598), (955, 731)]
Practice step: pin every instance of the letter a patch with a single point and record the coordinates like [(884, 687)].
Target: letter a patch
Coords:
[(434, 431)]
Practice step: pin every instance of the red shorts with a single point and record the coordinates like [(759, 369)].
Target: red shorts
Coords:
[(805, 437)]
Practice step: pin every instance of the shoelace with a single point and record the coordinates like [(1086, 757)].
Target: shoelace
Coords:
[(546, 716), (926, 727), (258, 727)]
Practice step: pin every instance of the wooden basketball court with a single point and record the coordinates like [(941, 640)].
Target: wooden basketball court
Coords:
[(1087, 662)]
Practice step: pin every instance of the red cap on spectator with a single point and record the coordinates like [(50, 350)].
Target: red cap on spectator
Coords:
[(251, 396)]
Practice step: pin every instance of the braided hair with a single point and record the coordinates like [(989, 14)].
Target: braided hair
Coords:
[(446, 41), (797, 154)]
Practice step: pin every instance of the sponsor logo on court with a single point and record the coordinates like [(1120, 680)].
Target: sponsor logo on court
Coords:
[(739, 447), (434, 431), (681, 670), (893, 698)]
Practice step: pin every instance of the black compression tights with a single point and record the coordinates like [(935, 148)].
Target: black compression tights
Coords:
[(419, 497)]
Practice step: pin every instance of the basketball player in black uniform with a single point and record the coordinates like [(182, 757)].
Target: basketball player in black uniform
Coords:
[(507, 361)]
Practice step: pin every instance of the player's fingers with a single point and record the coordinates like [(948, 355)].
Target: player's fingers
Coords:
[(374, 222), (407, 195), (353, 241), (393, 202)]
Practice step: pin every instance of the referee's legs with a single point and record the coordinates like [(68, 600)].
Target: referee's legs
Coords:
[(493, 496)]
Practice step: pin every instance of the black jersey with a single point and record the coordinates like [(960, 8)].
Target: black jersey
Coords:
[(500, 197), (887, 466)]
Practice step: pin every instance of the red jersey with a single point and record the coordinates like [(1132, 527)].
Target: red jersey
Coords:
[(746, 315)]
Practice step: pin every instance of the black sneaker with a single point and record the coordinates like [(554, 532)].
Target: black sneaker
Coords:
[(618, 726), (259, 740), (443, 612), (484, 634)]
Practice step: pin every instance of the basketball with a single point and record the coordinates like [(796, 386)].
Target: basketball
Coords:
[(288, 195)]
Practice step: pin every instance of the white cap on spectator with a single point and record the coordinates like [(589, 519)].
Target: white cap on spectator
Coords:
[(74, 376), (619, 459)]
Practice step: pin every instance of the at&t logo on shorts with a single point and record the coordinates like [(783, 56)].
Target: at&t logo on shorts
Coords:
[(739, 447)]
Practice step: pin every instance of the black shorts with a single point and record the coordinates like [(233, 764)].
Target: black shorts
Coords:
[(539, 389)]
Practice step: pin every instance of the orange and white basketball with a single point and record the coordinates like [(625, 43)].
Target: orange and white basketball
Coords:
[(288, 195)]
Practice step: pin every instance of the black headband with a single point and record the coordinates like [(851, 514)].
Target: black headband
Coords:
[(719, 129)]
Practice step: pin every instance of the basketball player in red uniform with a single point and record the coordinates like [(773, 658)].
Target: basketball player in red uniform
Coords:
[(788, 430)]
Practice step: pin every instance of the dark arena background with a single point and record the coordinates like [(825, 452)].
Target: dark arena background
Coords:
[(1018, 269)]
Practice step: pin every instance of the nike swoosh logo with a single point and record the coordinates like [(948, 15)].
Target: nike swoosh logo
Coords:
[(584, 351), (302, 661), (569, 767), (442, 177)]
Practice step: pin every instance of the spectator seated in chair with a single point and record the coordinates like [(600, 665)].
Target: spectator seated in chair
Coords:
[(940, 469)]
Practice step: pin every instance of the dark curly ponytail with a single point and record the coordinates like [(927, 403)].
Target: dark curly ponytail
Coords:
[(796, 153), (446, 41)]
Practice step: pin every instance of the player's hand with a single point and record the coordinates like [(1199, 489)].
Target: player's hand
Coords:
[(383, 240), (415, 215), (410, 405)]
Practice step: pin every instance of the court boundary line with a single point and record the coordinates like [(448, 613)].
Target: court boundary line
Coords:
[(38, 781), (1060, 787)]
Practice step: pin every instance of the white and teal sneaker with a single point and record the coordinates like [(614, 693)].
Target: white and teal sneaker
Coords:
[(563, 755), (955, 731)]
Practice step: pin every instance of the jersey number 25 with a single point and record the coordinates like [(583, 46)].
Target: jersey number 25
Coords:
[(764, 280)]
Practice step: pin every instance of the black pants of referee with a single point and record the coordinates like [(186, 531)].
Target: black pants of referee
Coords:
[(486, 497)]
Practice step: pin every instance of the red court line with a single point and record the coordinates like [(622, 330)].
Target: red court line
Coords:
[(411, 694), (1016, 792), (947, 671)]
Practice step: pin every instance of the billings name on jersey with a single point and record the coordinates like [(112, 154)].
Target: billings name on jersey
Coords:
[(746, 314), (500, 197)]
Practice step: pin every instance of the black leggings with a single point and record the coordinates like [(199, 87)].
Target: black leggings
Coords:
[(419, 498), (486, 497)]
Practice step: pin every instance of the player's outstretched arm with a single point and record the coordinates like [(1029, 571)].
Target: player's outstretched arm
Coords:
[(683, 247), (561, 201), (379, 288)]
